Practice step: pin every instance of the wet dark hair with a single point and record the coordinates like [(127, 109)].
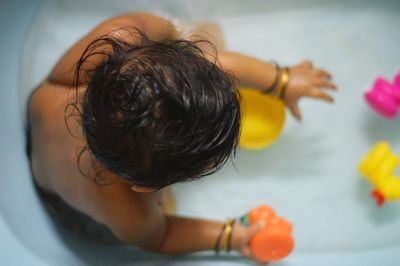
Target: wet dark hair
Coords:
[(157, 113)]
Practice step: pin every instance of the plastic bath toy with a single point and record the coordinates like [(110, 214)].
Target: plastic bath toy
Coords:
[(378, 167), (384, 97), (275, 241), (263, 118)]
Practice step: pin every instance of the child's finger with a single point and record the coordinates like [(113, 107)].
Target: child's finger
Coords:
[(321, 73), (323, 83), (247, 252), (307, 64), (255, 228), (295, 111), (318, 94)]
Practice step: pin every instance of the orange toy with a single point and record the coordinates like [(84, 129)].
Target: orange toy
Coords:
[(275, 241)]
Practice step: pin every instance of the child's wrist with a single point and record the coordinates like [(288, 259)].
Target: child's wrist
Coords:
[(278, 88), (269, 89), (282, 83), (232, 236), (239, 237)]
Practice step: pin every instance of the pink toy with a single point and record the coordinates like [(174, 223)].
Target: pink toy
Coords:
[(384, 97)]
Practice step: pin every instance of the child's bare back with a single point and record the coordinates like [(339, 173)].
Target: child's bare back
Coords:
[(55, 168)]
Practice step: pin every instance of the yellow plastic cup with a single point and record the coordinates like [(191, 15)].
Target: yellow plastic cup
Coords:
[(263, 118)]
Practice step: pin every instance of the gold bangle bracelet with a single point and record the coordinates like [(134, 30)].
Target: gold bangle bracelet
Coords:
[(277, 88), (284, 82), (276, 80), (218, 242), (229, 241), (227, 235)]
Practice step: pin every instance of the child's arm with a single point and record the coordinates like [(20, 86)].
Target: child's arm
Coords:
[(177, 235), (155, 27), (138, 219), (185, 235), (182, 235), (304, 80)]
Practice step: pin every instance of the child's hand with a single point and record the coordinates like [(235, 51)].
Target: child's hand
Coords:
[(304, 80), (242, 235)]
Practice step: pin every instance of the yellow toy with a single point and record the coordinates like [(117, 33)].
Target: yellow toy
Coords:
[(263, 118), (378, 167)]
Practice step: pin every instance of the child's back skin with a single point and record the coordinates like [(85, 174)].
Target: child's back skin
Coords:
[(136, 214)]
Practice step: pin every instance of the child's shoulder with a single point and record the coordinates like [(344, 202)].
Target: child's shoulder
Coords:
[(126, 213)]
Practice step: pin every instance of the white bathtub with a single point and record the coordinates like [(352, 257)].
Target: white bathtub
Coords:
[(309, 175)]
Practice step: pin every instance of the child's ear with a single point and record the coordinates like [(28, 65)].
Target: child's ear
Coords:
[(142, 189)]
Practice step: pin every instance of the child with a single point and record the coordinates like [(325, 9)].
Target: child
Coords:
[(124, 114)]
